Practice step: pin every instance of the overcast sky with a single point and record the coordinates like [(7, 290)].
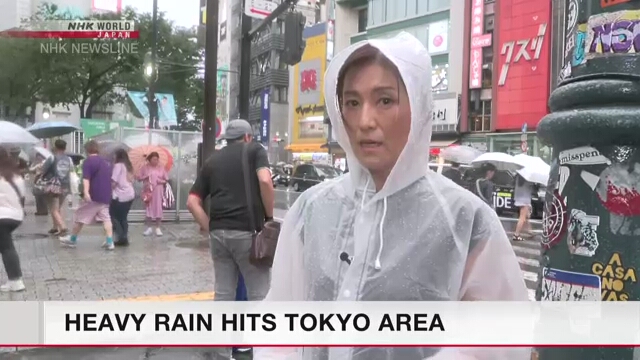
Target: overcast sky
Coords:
[(181, 12)]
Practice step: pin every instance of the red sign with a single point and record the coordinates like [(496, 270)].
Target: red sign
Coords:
[(478, 40), (218, 127), (522, 91), (308, 80)]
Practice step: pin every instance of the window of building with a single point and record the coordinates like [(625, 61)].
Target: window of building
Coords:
[(280, 64), (423, 7), (281, 94), (487, 67), (363, 15), (479, 113), (78, 142), (377, 12), (435, 5)]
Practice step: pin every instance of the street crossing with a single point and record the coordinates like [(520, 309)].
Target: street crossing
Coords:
[(528, 253)]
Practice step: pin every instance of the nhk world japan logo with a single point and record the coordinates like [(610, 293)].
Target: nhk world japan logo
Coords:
[(78, 29)]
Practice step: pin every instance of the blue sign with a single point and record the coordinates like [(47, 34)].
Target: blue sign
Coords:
[(167, 115), (265, 117), (524, 128)]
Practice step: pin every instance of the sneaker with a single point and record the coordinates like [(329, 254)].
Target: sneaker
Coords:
[(121, 242), (148, 232), (158, 232), (108, 246), (63, 233), (53, 231), (66, 241), (13, 286)]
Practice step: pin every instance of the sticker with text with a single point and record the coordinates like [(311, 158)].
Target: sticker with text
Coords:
[(612, 33), (584, 155), (560, 285), (582, 237), (616, 278)]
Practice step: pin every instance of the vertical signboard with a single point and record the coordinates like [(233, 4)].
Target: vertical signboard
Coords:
[(308, 99), (478, 40), (265, 117), (523, 62)]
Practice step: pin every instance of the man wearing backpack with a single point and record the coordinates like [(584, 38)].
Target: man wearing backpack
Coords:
[(55, 173)]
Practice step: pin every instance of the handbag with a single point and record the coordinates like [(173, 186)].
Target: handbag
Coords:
[(147, 193), (168, 200), (263, 241)]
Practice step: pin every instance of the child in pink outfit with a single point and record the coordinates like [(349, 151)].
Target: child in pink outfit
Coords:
[(154, 176)]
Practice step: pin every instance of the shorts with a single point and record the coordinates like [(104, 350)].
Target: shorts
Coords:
[(55, 201), (90, 212)]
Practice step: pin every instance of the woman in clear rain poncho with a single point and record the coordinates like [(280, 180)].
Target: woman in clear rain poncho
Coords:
[(413, 235)]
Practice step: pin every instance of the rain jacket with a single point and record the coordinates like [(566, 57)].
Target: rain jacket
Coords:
[(420, 238)]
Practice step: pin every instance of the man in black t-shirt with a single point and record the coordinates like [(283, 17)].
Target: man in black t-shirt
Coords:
[(229, 225)]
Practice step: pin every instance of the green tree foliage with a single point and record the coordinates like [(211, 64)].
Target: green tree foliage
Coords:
[(46, 71)]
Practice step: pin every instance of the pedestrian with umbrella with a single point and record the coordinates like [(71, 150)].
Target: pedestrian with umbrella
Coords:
[(154, 177), (534, 171)]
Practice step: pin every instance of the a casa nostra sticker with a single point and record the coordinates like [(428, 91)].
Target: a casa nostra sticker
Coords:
[(559, 285), (584, 155), (616, 278), (554, 220), (582, 237)]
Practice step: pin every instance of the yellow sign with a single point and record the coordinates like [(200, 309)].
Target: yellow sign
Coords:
[(615, 277), (308, 97)]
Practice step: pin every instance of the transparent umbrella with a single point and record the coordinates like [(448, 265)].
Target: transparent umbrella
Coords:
[(501, 161), (461, 154), (15, 135)]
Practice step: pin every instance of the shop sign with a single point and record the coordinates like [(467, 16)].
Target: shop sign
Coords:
[(478, 40), (527, 49), (445, 112)]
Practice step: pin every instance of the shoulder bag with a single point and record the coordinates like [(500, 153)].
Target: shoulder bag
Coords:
[(264, 241)]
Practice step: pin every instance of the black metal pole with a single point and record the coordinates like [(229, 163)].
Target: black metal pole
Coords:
[(210, 80), (245, 68), (153, 108)]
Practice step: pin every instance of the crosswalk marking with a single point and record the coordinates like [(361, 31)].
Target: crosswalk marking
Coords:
[(528, 254)]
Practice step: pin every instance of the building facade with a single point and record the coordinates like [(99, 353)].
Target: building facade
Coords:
[(507, 74), (437, 24)]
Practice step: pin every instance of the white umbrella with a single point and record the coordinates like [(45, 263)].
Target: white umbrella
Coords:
[(501, 161), (43, 152), (534, 169), (461, 154), (143, 139), (14, 134)]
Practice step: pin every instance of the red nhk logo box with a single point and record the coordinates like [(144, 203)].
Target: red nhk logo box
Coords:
[(79, 29)]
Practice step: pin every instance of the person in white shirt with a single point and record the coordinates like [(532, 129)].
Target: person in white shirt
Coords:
[(12, 190)]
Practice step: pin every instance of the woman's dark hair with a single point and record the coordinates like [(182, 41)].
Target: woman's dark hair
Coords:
[(92, 147), (152, 155), (122, 157), (486, 167), (8, 165)]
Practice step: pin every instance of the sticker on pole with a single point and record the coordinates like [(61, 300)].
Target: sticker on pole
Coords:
[(583, 238), (559, 285), (259, 9), (554, 221)]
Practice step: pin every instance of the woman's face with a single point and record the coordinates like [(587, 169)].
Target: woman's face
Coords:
[(154, 161), (377, 115)]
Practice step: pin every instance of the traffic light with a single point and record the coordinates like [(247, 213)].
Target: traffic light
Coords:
[(294, 44)]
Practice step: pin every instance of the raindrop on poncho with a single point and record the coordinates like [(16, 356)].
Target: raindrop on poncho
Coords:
[(420, 238)]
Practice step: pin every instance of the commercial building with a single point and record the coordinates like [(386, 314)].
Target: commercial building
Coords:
[(507, 76), (437, 24)]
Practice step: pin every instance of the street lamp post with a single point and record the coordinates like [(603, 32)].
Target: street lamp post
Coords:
[(592, 216), (151, 70)]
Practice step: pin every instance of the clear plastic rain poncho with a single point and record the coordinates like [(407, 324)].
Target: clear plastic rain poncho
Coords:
[(420, 238)]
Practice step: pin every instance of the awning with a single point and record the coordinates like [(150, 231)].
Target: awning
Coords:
[(306, 148)]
